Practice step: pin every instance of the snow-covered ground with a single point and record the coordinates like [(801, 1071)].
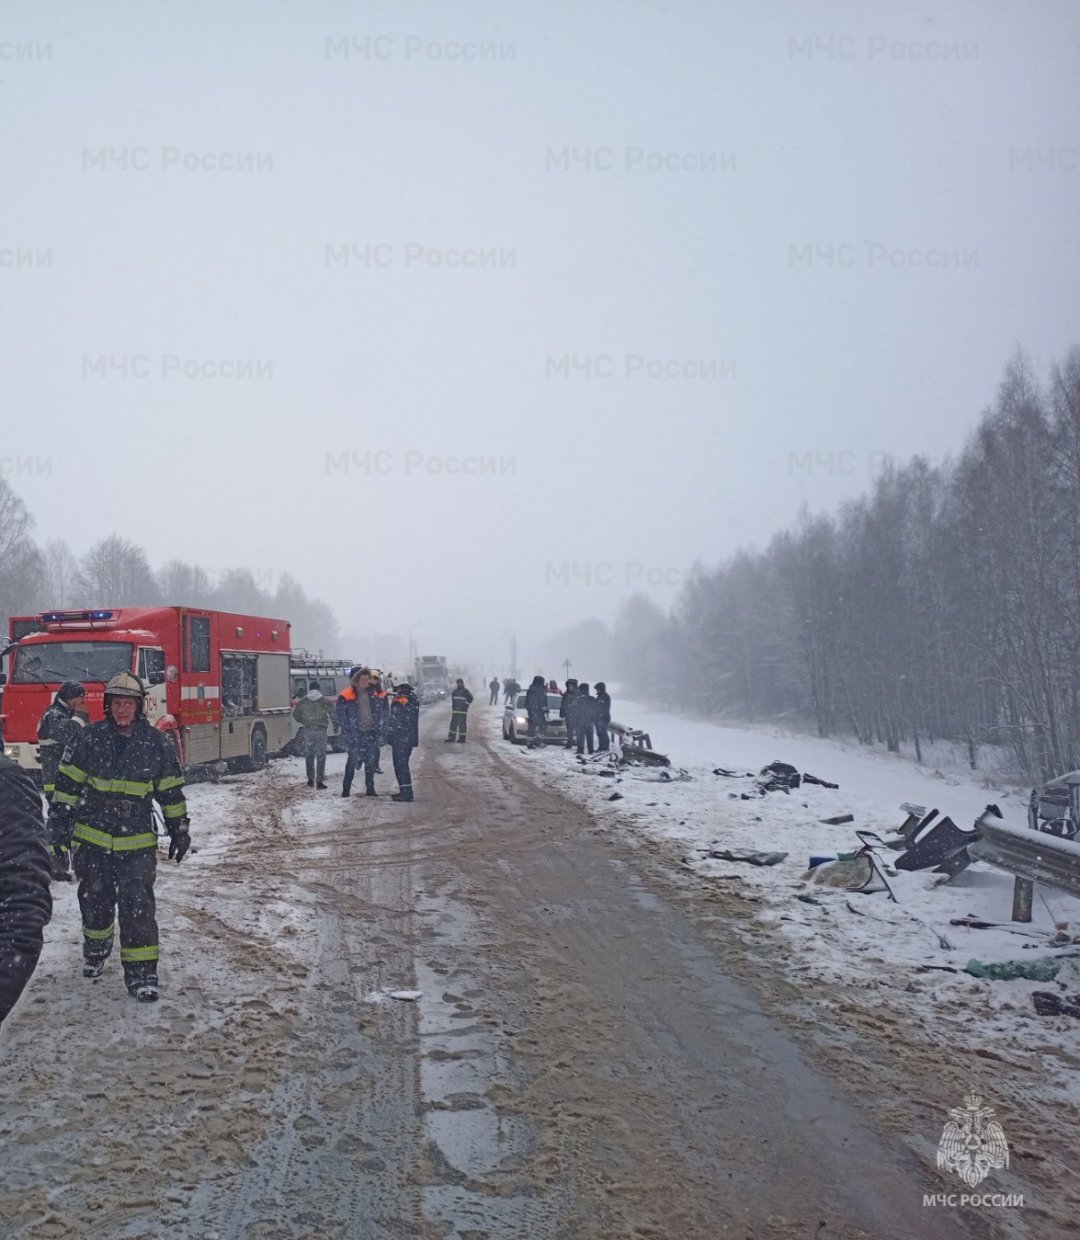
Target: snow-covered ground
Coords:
[(862, 945)]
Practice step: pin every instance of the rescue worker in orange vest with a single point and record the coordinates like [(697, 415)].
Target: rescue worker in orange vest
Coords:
[(360, 717), (109, 776)]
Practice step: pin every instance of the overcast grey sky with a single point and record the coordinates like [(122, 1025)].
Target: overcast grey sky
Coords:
[(474, 317)]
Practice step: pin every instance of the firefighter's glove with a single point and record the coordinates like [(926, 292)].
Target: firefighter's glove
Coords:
[(179, 840), (60, 863), (59, 829)]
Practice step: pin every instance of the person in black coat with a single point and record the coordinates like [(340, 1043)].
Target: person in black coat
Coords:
[(603, 717), (583, 711), (460, 701), (536, 706), (403, 733), (25, 900), (57, 728), (566, 714)]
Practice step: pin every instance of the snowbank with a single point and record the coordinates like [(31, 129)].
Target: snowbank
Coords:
[(863, 945)]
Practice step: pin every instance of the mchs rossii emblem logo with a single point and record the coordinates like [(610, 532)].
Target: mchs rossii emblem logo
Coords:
[(972, 1144)]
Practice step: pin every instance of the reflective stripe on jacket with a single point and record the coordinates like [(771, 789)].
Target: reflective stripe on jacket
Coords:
[(109, 781)]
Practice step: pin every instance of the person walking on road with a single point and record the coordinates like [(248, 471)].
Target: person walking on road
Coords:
[(603, 717), (403, 731), (57, 728), (536, 707), (314, 715), (566, 714), (494, 688), (460, 701), (108, 777), (25, 899), (360, 718)]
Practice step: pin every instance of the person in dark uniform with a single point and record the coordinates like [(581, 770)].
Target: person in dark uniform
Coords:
[(603, 717), (583, 707), (566, 714), (494, 689), (536, 707), (57, 728), (460, 701), (403, 732), (108, 777), (25, 899)]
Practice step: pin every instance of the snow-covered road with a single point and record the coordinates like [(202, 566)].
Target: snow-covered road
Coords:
[(604, 1043)]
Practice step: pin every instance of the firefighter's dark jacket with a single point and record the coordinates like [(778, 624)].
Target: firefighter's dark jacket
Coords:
[(57, 728), (25, 903), (404, 725), (107, 781), (460, 701)]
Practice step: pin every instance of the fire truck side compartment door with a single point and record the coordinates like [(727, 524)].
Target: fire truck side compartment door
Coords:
[(272, 682)]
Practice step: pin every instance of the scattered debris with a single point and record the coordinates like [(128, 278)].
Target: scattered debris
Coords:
[(776, 777), (1045, 969), (681, 776), (616, 796), (807, 898), (853, 873), (752, 858), (837, 820), (976, 923), (924, 844), (1048, 1004)]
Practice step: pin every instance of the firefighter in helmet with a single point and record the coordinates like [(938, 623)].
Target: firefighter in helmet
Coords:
[(108, 777), (57, 728)]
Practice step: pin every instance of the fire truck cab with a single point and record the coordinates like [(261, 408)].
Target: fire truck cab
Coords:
[(218, 682)]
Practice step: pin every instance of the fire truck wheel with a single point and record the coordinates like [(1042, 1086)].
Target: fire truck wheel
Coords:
[(257, 758), (258, 748)]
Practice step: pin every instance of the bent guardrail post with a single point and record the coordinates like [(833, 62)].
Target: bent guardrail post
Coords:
[(1032, 856), (1023, 898)]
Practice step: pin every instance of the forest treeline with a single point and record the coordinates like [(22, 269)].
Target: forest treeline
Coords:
[(115, 572), (944, 603)]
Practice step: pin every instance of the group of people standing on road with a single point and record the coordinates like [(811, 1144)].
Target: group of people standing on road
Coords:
[(587, 716), (368, 717)]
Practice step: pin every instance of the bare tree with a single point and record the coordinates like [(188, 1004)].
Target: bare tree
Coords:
[(115, 572), (184, 584), (22, 570), (61, 569)]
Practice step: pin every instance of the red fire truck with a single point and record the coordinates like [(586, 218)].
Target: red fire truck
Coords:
[(218, 682)]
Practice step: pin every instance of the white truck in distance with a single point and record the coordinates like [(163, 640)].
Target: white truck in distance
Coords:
[(432, 677)]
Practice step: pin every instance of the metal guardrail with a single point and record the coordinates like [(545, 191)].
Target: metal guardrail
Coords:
[(1033, 855)]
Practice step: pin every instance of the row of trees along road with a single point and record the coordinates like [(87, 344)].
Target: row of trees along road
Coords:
[(945, 603), (115, 572)]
